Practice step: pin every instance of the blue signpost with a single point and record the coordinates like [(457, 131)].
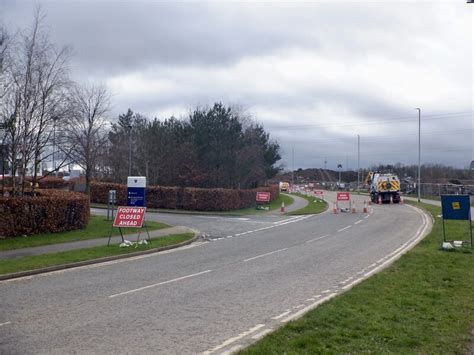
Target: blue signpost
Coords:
[(456, 207), (136, 186)]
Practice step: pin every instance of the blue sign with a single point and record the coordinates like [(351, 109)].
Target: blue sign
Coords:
[(136, 196), (456, 207)]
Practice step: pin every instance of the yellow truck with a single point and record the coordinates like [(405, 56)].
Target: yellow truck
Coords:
[(383, 187)]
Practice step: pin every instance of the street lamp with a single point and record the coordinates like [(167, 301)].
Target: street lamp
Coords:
[(358, 163), (419, 153), (339, 166), (129, 150)]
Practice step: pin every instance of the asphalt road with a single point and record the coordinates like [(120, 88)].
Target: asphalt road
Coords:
[(251, 275)]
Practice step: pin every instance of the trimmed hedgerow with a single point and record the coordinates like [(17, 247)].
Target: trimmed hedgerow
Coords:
[(48, 182), (49, 211), (188, 198)]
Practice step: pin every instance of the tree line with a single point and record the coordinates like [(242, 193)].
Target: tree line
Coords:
[(44, 116), (213, 147)]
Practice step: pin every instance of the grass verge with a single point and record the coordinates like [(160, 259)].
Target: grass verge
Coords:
[(315, 205), (422, 304), (97, 227), (40, 261)]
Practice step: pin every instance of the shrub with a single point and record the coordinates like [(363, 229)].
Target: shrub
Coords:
[(187, 198), (49, 211), (48, 182)]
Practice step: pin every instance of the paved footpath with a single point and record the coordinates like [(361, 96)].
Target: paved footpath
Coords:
[(89, 243)]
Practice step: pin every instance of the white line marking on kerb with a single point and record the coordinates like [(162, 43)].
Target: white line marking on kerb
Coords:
[(6, 323), (261, 256), (262, 334), (234, 339), (281, 315), (343, 229), (233, 350), (160, 283)]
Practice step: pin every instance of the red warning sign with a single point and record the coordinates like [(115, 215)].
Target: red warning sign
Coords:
[(129, 217), (318, 193), (263, 197), (343, 196)]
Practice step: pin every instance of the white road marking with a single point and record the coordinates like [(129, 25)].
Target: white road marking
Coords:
[(343, 229), (299, 306), (281, 315), (308, 308), (371, 266), (232, 350), (319, 238), (266, 254), (326, 291), (6, 323), (262, 334), (159, 284), (234, 339), (359, 221), (367, 216)]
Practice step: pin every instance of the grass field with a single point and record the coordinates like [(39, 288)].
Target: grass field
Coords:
[(422, 304), (67, 257), (98, 227), (315, 205)]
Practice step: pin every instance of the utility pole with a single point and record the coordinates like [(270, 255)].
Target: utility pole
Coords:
[(358, 162), (129, 150), (419, 153), (293, 167)]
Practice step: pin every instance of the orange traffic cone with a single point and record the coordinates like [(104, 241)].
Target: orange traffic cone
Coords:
[(401, 201), (391, 199), (370, 202), (282, 209), (334, 207), (353, 207), (380, 200), (365, 207)]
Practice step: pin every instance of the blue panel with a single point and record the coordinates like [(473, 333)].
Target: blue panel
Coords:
[(136, 196), (456, 207)]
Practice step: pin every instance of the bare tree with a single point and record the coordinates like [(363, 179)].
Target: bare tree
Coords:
[(37, 94), (85, 129)]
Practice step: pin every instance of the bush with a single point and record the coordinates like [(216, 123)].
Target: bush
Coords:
[(187, 198), (49, 211), (48, 182)]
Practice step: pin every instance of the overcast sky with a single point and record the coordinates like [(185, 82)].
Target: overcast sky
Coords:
[(315, 74)]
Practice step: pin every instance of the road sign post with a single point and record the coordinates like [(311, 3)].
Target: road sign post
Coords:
[(344, 197), (456, 207), (262, 197), (136, 188), (129, 217)]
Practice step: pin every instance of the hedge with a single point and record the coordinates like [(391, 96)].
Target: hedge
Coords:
[(187, 198), (49, 211), (49, 182)]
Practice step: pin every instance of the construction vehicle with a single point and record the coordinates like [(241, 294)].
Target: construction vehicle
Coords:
[(284, 186), (383, 187)]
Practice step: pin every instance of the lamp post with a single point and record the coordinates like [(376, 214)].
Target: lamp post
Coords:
[(339, 166), (358, 162), (55, 119), (3, 130), (419, 153), (129, 150)]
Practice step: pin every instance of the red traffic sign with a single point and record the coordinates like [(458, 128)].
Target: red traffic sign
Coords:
[(343, 196), (129, 217), (263, 197), (318, 193)]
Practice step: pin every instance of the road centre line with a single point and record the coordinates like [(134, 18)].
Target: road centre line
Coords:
[(367, 216), (159, 284), (266, 254), (343, 229), (359, 221), (6, 323), (234, 339), (318, 238)]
